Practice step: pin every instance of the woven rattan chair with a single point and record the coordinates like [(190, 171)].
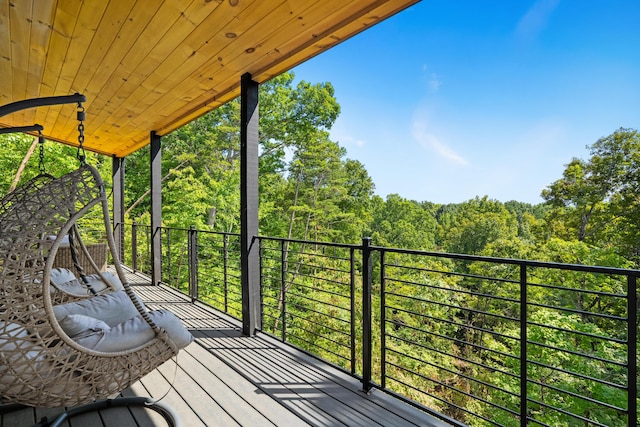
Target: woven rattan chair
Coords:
[(93, 261), (40, 365), (17, 196)]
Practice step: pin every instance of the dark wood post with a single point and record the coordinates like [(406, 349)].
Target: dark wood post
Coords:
[(249, 205), (117, 168), (156, 208)]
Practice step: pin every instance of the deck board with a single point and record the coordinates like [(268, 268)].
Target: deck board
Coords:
[(227, 379)]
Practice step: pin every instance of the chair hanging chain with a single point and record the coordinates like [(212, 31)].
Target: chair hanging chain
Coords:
[(41, 145), (82, 156)]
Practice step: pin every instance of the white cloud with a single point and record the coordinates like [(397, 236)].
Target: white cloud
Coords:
[(345, 140), (536, 18), (431, 142), (358, 143), (434, 82)]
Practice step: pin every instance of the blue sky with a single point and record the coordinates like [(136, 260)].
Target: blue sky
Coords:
[(453, 99)]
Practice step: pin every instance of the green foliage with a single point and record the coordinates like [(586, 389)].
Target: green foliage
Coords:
[(20, 158), (596, 199), (477, 223), (58, 159), (402, 223), (451, 326)]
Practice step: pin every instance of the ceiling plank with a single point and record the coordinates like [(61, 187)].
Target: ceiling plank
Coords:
[(286, 54), (38, 41), (6, 88), (149, 80), (64, 22), (159, 39), (90, 16), (20, 16), (155, 65)]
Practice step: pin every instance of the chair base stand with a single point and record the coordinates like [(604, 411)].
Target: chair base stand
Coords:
[(172, 419)]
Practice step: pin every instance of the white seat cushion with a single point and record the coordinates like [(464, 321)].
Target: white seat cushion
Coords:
[(58, 276), (112, 308), (78, 287), (64, 280), (79, 325), (136, 332), (112, 279)]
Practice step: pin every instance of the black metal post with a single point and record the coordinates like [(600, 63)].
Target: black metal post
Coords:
[(156, 208), (192, 248), (172, 278), (632, 349), (261, 269), (134, 246), (117, 168), (225, 262), (352, 269), (367, 270), (383, 323), (523, 346), (249, 255), (283, 288)]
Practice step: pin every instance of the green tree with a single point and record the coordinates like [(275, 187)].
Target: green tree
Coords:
[(403, 223), (475, 224), (19, 158), (596, 199)]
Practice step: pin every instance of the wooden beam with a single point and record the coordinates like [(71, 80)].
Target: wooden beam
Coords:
[(117, 173), (251, 318), (156, 208)]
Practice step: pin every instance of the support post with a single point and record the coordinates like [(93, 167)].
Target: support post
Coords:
[(249, 255), (193, 262), (134, 246), (117, 172), (632, 350), (367, 279), (524, 379), (156, 208)]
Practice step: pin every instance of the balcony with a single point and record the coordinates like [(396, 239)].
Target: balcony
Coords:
[(348, 334), (485, 341), (446, 338), (228, 379)]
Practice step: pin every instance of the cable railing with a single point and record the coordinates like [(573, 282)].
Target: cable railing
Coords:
[(309, 297), (137, 239), (505, 342), (474, 340)]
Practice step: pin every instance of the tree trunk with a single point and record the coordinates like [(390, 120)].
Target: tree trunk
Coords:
[(23, 164), (146, 193)]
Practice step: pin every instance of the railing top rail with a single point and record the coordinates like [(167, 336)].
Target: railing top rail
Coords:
[(513, 261), (200, 231), (312, 242)]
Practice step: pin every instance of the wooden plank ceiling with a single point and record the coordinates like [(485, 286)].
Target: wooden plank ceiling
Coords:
[(152, 65)]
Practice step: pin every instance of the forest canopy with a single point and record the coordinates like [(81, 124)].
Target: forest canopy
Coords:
[(440, 311), (310, 189)]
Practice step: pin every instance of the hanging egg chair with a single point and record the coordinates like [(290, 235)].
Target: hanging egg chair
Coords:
[(69, 354)]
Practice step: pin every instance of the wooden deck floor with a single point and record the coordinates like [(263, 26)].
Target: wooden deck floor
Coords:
[(226, 379)]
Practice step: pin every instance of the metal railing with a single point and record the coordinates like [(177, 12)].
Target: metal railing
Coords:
[(137, 238), (309, 297), (509, 342), (474, 340)]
